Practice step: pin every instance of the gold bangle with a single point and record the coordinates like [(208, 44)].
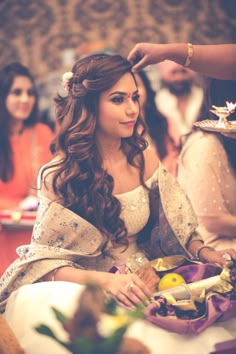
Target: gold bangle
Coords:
[(198, 250), (189, 55)]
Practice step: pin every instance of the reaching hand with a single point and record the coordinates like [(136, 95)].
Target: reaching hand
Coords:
[(144, 54), (230, 135), (220, 257)]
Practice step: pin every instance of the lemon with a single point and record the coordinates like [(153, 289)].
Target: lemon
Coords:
[(170, 280)]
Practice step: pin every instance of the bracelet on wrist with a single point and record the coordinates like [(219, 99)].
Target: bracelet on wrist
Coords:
[(54, 274), (199, 249), (189, 55)]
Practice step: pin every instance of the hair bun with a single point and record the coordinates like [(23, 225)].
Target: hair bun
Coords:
[(78, 89)]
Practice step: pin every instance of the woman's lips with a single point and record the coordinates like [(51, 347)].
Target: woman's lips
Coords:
[(130, 123)]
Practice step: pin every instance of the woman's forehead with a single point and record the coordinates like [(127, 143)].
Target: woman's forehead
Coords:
[(125, 84), (21, 80)]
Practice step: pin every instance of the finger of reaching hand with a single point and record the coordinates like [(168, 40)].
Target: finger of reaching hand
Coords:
[(132, 55), (229, 253), (136, 58), (139, 66)]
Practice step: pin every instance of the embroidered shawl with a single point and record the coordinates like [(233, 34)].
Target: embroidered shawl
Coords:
[(61, 237)]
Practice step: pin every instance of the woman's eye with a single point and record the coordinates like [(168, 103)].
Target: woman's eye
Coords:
[(16, 92), (31, 93), (118, 99), (136, 97)]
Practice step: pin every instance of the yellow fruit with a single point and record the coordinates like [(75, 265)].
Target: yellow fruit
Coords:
[(170, 280)]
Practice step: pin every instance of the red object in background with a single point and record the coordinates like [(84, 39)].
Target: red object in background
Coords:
[(16, 219), (15, 230)]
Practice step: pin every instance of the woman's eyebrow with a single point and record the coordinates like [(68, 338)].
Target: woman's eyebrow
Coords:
[(122, 93)]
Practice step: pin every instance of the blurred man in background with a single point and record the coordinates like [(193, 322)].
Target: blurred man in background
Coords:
[(179, 98)]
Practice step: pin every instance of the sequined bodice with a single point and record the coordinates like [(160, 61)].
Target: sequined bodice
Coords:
[(135, 210)]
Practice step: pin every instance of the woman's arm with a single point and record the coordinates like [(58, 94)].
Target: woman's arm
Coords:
[(223, 224), (217, 60), (207, 254), (127, 288)]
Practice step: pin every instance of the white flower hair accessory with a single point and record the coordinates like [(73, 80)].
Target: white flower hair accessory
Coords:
[(65, 80)]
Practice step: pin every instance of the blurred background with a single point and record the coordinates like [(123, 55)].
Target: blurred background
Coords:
[(49, 35)]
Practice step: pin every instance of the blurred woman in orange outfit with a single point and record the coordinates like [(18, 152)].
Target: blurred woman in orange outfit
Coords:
[(24, 147)]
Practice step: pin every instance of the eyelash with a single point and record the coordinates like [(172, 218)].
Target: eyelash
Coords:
[(19, 92), (120, 99), (136, 97)]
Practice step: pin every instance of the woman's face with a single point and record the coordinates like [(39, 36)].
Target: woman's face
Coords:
[(21, 99), (118, 109)]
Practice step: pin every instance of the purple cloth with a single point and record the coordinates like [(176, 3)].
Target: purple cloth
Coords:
[(217, 307)]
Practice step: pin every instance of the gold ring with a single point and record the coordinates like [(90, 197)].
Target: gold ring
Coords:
[(130, 286)]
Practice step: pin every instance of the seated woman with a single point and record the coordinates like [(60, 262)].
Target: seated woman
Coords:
[(94, 195), (207, 172), (24, 148)]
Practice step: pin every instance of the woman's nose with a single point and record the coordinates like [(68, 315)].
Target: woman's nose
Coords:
[(132, 107), (24, 97)]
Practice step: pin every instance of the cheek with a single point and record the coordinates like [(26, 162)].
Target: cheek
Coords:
[(108, 116), (103, 111), (10, 103), (32, 101)]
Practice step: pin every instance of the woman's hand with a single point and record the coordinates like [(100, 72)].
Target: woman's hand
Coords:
[(230, 135), (220, 257), (144, 54), (128, 289)]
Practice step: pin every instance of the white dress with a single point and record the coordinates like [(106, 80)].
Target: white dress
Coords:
[(23, 314)]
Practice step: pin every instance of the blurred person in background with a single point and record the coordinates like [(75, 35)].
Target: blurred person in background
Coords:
[(207, 172), (179, 98), (24, 147)]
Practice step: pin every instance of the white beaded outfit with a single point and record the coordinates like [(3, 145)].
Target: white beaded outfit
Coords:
[(209, 180), (135, 211)]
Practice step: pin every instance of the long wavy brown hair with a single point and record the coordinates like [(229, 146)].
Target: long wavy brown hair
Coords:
[(7, 77), (79, 179)]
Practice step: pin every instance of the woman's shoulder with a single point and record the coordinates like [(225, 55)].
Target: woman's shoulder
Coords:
[(43, 129), (45, 178), (201, 146), (51, 166), (200, 139)]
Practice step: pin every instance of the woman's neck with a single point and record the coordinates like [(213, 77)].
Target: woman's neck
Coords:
[(17, 128), (110, 150)]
